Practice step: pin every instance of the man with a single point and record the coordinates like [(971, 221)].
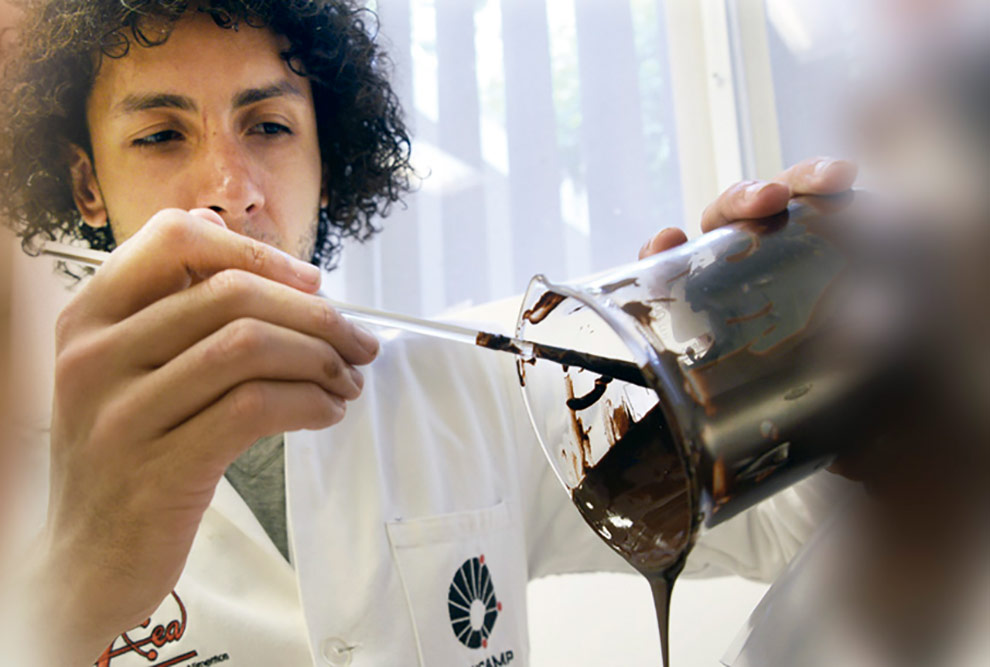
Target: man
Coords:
[(219, 148)]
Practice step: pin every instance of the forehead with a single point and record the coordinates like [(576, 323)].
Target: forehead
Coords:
[(199, 59), (9, 15)]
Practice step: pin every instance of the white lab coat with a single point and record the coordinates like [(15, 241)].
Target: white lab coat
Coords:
[(435, 470)]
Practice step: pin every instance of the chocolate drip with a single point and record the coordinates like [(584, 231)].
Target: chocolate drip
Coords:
[(662, 586), (592, 397)]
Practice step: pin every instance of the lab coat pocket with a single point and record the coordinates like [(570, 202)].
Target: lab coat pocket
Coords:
[(464, 576)]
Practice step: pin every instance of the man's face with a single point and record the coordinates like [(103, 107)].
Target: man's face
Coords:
[(213, 118), (9, 18)]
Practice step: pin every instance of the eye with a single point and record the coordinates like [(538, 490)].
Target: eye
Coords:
[(270, 129), (157, 138)]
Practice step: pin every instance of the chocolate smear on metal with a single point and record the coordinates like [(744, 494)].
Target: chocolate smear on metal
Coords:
[(751, 247), (642, 312), (619, 284), (762, 312), (797, 392)]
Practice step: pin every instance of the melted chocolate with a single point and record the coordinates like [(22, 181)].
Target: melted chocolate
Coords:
[(497, 342), (637, 498), (592, 397), (642, 312), (619, 422), (614, 368), (580, 433)]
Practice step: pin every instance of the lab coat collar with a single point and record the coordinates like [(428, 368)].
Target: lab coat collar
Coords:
[(229, 504)]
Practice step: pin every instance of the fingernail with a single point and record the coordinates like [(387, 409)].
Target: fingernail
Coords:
[(308, 273), (304, 271), (823, 166), (753, 191), (357, 378), (366, 339)]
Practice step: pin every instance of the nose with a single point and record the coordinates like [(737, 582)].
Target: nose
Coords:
[(227, 183)]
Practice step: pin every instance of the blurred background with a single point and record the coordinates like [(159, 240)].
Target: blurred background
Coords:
[(555, 137)]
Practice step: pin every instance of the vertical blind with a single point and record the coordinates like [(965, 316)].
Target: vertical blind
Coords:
[(817, 57), (544, 135)]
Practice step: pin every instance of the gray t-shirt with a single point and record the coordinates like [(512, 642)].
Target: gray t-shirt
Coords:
[(258, 475)]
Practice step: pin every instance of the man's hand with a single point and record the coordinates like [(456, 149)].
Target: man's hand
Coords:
[(188, 345), (759, 199)]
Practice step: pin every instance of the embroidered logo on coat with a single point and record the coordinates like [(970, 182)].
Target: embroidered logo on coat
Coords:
[(472, 604), (149, 641)]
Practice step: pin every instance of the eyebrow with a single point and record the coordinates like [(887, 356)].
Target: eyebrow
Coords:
[(254, 95), (145, 101), (136, 102)]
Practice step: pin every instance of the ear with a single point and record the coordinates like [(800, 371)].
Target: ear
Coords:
[(86, 189)]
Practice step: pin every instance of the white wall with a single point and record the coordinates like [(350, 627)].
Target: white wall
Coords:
[(607, 619)]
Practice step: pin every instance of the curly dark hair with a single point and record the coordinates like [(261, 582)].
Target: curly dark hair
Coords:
[(364, 144)]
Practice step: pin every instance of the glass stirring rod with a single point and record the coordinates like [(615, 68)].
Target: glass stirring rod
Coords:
[(524, 349)]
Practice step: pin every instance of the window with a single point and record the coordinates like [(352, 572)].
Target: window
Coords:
[(546, 135), (795, 63)]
